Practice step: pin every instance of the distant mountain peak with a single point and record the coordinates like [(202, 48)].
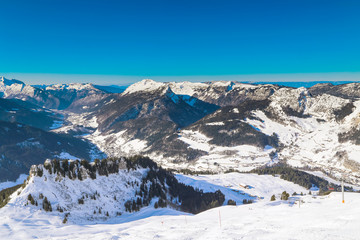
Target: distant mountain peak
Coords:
[(146, 85), (72, 86), (8, 82)]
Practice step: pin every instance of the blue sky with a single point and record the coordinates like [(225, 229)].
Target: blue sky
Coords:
[(119, 42)]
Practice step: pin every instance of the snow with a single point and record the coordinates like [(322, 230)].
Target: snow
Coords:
[(117, 144), (18, 181), (65, 155), (235, 110), (172, 96), (196, 140), (202, 91), (146, 85), (77, 122), (331, 180), (215, 123), (312, 143), (71, 86), (317, 217), (218, 158), (110, 193), (56, 124), (261, 187)]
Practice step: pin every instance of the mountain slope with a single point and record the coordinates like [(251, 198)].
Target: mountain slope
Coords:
[(57, 96), (22, 146), (83, 191), (138, 123), (347, 91), (15, 110), (220, 126), (321, 216)]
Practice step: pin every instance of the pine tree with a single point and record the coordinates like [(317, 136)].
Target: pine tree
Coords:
[(273, 198), (47, 205), (284, 196), (31, 199)]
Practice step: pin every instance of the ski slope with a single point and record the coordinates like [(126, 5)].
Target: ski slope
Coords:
[(317, 218)]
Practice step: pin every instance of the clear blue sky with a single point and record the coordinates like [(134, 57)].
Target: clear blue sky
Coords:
[(136, 39)]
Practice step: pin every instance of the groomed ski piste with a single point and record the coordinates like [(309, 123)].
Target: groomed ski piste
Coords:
[(317, 217)]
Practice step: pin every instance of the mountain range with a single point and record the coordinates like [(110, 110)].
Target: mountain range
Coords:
[(202, 127)]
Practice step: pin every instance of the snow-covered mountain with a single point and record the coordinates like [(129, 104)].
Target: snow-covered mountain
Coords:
[(80, 191), (220, 93), (219, 126), (56, 96)]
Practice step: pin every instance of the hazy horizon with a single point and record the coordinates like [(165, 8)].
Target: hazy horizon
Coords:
[(107, 80)]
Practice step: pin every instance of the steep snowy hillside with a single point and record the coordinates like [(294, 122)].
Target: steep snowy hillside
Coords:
[(313, 132), (317, 217), (80, 191)]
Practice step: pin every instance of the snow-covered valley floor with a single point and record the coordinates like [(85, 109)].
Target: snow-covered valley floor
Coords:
[(317, 218)]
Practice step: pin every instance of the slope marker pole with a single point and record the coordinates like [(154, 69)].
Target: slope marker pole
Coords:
[(219, 218), (342, 190)]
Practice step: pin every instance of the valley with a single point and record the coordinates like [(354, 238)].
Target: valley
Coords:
[(94, 160)]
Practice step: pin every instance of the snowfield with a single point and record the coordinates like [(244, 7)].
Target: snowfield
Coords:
[(233, 185), (318, 217), (243, 157)]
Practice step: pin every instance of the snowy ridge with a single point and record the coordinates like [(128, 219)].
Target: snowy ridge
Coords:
[(146, 85), (72, 86), (9, 88), (56, 96), (202, 91), (80, 191), (65, 194)]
